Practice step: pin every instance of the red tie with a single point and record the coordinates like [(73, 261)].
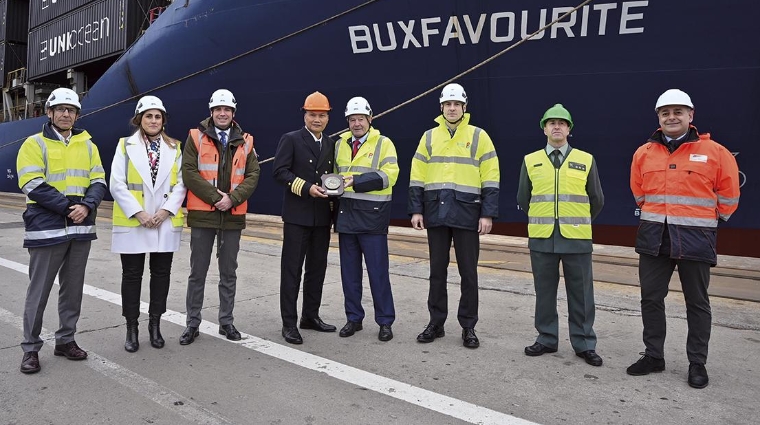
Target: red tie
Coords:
[(357, 143)]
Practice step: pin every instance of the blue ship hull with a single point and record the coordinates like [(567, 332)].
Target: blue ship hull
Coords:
[(607, 65)]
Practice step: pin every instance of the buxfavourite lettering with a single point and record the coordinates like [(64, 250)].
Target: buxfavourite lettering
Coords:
[(499, 27)]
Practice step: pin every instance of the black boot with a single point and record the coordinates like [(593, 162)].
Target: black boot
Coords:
[(132, 344), (154, 330)]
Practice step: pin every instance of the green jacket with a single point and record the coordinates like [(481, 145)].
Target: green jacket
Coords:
[(224, 220)]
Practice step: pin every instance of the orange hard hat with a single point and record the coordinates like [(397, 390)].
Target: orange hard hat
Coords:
[(316, 102)]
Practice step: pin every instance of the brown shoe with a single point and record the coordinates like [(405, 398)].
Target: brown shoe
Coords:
[(70, 350), (30, 363)]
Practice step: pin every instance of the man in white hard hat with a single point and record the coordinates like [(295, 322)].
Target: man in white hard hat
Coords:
[(684, 183), (367, 161), (454, 194), (60, 171), (220, 170)]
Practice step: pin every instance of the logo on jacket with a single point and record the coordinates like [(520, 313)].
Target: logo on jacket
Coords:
[(370, 155), (576, 166)]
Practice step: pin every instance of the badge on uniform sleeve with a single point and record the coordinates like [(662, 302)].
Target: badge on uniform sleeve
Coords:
[(576, 166), (695, 157)]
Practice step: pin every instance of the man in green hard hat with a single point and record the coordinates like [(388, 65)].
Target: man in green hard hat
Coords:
[(559, 189)]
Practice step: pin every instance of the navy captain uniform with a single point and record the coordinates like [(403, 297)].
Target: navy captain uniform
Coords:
[(302, 157)]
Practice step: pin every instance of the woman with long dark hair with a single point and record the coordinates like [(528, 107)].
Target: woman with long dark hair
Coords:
[(146, 185)]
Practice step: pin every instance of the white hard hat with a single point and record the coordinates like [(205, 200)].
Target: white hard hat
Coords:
[(358, 105), (673, 97), (453, 92), (222, 97), (149, 102), (63, 96)]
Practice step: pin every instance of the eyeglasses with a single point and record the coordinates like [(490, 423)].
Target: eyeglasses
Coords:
[(63, 109)]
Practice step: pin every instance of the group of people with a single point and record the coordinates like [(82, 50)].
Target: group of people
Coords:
[(683, 182)]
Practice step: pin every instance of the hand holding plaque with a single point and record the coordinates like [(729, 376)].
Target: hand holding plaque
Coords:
[(333, 184)]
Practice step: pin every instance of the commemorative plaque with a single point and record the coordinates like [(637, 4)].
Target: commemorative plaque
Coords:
[(333, 184)]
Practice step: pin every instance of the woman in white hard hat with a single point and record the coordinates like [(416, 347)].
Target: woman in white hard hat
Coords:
[(146, 185)]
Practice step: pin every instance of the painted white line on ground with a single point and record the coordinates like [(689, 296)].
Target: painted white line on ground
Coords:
[(449, 406), (188, 409)]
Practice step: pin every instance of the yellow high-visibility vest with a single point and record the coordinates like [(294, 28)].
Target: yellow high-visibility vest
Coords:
[(70, 169), (559, 194), (135, 187), (377, 154), (466, 162)]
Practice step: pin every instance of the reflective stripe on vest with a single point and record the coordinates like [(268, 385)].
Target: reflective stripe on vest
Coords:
[(472, 161), (71, 181), (208, 168), (559, 194), (693, 186), (136, 187), (359, 165)]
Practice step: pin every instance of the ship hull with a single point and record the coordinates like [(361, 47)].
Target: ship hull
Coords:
[(607, 65)]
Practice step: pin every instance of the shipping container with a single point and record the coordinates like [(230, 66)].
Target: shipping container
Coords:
[(12, 57), (14, 20), (95, 31), (42, 11)]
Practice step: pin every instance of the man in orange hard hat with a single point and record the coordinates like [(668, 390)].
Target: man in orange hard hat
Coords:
[(684, 183), (302, 157)]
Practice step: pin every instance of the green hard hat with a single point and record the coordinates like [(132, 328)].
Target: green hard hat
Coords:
[(557, 111)]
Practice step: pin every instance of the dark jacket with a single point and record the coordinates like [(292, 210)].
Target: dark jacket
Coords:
[(299, 163), (208, 193), (446, 200)]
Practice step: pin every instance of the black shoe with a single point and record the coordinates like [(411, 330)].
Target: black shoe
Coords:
[(646, 365), (697, 375), (132, 343), (538, 349), (30, 363), (230, 332), (430, 333), (385, 334), (591, 357), (70, 350), (292, 335), (469, 339), (316, 324), (154, 330), (189, 335), (349, 329)]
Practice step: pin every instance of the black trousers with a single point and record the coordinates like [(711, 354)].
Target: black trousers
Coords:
[(654, 274), (132, 266), (298, 243), (467, 250)]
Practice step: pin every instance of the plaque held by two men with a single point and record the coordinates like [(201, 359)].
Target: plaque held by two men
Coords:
[(333, 184)]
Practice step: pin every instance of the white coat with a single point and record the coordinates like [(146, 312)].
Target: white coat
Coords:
[(138, 240)]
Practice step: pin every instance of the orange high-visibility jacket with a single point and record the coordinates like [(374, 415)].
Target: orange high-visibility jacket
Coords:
[(693, 187), (208, 167)]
